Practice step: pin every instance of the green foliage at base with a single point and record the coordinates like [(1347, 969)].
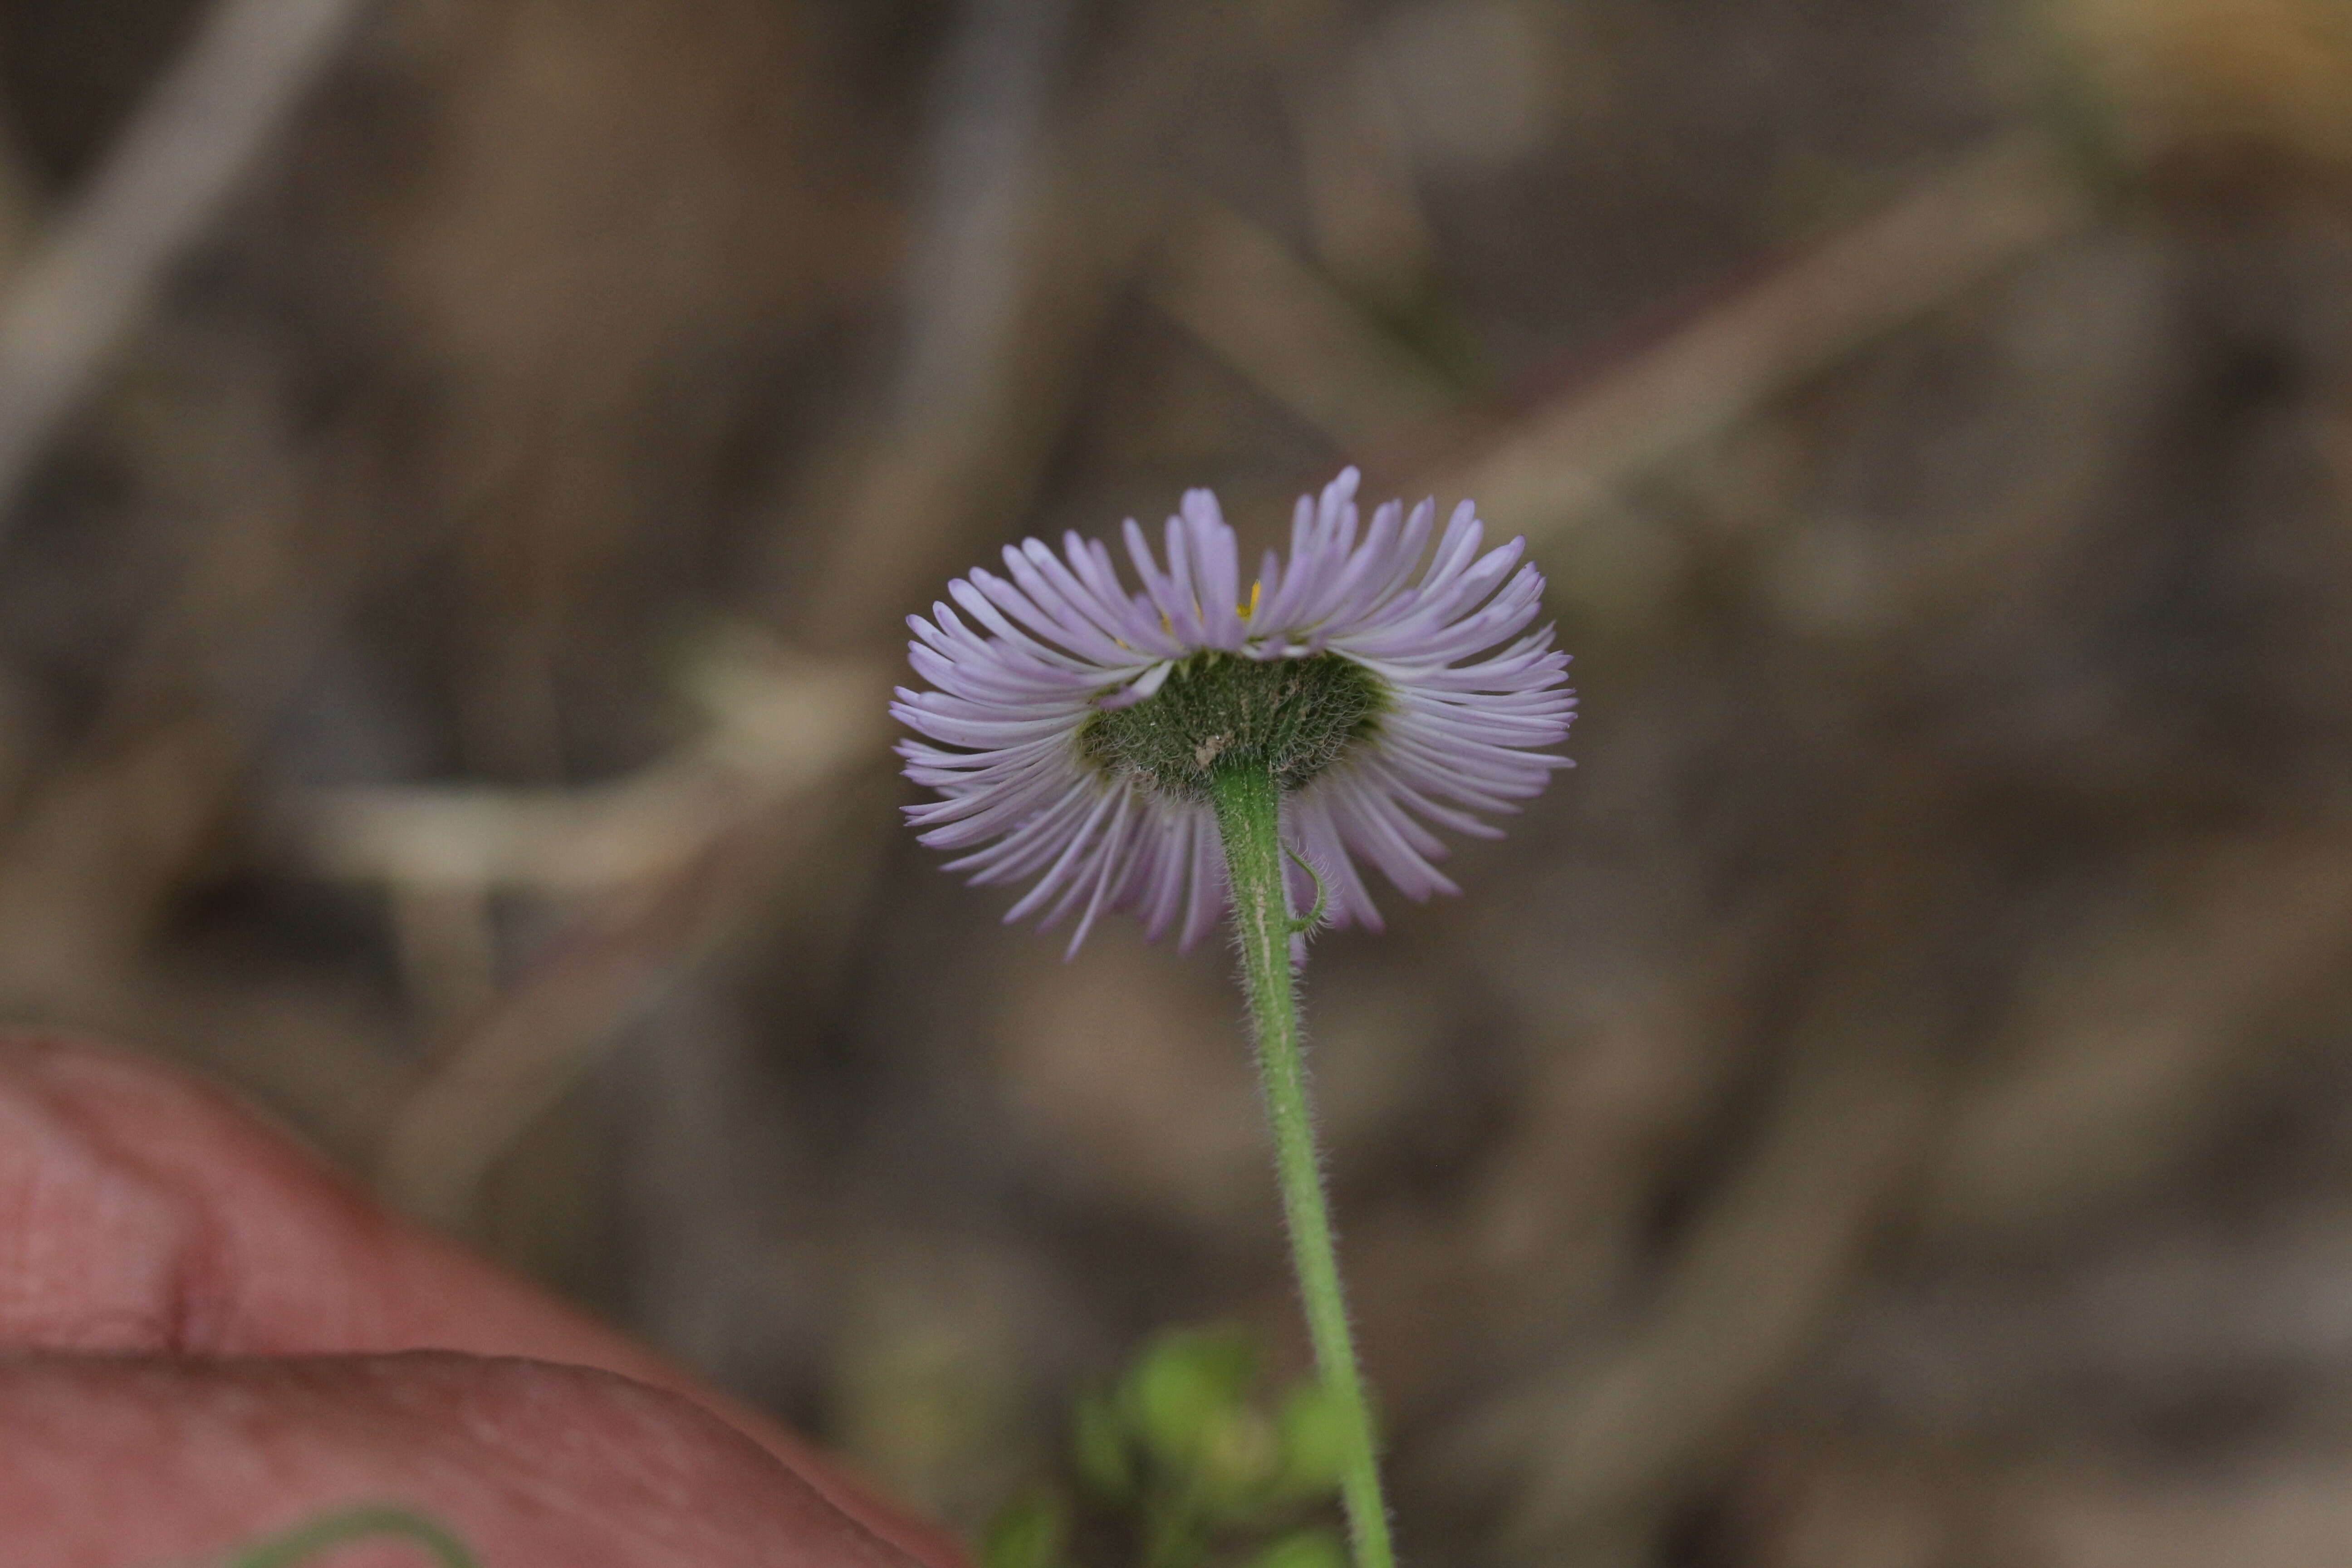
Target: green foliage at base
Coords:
[(1193, 1461)]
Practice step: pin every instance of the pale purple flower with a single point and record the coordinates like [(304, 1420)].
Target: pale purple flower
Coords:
[(1037, 653)]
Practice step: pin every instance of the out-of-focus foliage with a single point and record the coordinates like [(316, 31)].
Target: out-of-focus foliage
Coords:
[(1189, 1458), (1887, 1107), (1029, 1532)]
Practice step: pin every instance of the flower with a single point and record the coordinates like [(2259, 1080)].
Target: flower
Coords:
[(1078, 724)]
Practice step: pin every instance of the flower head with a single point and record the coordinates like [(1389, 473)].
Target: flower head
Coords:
[(1078, 723)]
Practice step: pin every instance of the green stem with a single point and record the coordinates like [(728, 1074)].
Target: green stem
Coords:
[(1249, 805), (307, 1541)]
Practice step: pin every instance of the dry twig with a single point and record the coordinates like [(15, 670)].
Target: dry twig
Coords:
[(1541, 474), (93, 275), (660, 858), (1242, 293)]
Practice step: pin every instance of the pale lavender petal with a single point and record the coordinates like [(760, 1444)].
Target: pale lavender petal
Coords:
[(1475, 696)]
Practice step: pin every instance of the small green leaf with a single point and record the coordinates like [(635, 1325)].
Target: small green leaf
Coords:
[(1315, 1548), (1236, 1464), (1029, 1532), (1315, 1429), (1099, 1450), (1185, 1381)]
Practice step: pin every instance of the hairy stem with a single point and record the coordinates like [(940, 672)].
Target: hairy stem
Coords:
[(325, 1533), (1248, 805)]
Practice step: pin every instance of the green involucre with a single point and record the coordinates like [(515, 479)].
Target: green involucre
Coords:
[(1294, 717)]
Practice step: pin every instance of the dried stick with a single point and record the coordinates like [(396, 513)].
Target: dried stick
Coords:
[(1076, 226), (663, 857), (1541, 475), (92, 277), (1249, 299)]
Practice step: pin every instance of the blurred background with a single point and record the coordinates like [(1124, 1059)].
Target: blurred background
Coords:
[(465, 463)]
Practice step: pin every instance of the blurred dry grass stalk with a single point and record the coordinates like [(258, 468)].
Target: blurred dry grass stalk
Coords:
[(1886, 1109)]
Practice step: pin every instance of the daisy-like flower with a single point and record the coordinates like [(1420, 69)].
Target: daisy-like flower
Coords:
[(1079, 725)]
